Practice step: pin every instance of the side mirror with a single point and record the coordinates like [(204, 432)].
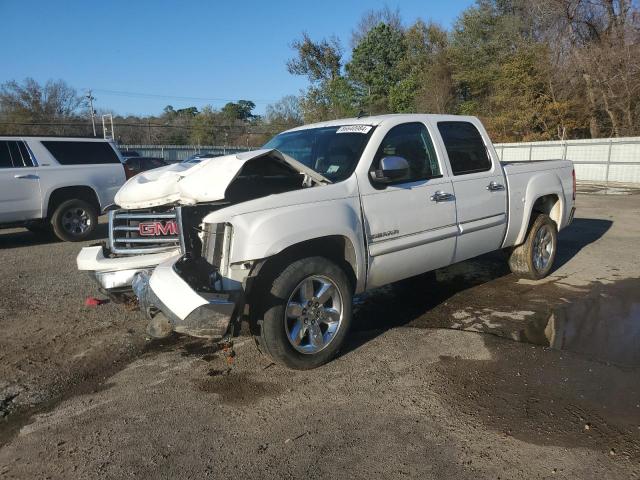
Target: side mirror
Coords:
[(391, 169)]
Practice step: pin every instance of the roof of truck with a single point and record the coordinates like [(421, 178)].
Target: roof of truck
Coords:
[(378, 119)]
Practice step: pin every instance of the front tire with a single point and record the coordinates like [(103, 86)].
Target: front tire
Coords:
[(74, 220), (305, 313), (534, 258)]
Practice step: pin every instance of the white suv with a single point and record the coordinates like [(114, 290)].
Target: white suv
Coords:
[(57, 184)]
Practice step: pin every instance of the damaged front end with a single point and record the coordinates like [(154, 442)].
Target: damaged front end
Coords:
[(193, 293), (192, 288)]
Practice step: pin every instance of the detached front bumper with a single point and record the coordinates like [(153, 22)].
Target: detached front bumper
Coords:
[(115, 275), (165, 293)]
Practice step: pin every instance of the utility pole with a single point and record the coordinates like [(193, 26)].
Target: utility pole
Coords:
[(91, 98)]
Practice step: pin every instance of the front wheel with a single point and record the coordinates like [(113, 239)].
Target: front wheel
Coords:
[(74, 220), (534, 258), (306, 313)]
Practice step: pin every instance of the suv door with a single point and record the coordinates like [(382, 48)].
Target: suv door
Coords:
[(411, 223), (478, 182), (20, 197)]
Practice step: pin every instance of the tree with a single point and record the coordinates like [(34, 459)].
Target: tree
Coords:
[(31, 102), (203, 127), (319, 61), (240, 110), (604, 51), (285, 112), (372, 18), (375, 63), (331, 94), (53, 100)]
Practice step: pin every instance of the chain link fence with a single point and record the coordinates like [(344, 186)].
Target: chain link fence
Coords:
[(178, 153)]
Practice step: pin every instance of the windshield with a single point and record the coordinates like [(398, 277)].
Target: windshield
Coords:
[(333, 152)]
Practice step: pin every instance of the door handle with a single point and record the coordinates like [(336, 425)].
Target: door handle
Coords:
[(28, 176), (442, 196), (495, 187)]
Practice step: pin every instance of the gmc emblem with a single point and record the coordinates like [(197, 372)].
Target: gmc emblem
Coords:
[(158, 228)]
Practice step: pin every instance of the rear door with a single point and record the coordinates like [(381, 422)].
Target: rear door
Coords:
[(479, 186), (410, 224), (20, 197)]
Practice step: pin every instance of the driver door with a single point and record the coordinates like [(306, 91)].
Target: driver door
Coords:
[(410, 224)]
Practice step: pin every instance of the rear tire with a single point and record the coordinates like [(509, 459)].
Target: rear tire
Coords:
[(304, 315), (74, 220), (534, 258)]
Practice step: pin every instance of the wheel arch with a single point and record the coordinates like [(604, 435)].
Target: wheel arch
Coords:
[(337, 248), (544, 194), (62, 194)]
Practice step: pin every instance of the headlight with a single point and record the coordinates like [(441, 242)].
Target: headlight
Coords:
[(216, 243)]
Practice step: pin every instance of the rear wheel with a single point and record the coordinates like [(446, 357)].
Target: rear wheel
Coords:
[(74, 220), (534, 258), (305, 314)]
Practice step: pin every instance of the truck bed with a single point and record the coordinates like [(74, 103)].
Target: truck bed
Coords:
[(527, 181)]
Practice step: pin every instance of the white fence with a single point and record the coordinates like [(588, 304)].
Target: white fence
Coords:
[(598, 160)]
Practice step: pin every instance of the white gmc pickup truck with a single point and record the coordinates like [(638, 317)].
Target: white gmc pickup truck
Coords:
[(286, 235)]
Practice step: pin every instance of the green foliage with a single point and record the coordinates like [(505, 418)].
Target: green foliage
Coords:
[(319, 61), (375, 62), (240, 110)]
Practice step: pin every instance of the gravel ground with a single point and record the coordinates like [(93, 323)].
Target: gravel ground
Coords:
[(431, 383)]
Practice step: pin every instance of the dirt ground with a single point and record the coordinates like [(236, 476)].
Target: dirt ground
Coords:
[(447, 379)]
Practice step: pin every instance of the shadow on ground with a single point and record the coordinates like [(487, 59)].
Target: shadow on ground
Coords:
[(478, 295), (25, 238)]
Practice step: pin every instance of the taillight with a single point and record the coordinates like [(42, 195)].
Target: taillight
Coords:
[(128, 172), (573, 173)]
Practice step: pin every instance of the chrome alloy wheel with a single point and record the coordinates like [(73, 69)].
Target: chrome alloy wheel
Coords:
[(314, 314), (542, 248), (76, 220)]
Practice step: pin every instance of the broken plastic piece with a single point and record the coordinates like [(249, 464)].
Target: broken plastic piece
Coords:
[(94, 302)]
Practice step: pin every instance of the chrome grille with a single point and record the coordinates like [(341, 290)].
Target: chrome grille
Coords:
[(160, 231)]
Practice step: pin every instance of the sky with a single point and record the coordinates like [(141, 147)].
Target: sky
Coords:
[(140, 55)]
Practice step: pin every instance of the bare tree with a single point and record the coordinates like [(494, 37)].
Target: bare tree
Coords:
[(371, 19)]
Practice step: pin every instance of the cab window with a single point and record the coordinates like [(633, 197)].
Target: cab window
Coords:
[(412, 142), (465, 148)]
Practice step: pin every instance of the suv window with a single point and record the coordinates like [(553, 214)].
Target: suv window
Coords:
[(14, 154), (412, 142), (79, 153), (465, 148)]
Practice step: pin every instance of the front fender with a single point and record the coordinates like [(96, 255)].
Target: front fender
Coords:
[(266, 233)]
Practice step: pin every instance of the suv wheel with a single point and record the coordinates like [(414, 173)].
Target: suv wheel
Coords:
[(306, 313), (74, 220)]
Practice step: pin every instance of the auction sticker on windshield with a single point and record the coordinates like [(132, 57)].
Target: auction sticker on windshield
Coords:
[(354, 129)]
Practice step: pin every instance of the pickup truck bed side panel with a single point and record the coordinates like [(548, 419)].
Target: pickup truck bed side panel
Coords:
[(528, 181)]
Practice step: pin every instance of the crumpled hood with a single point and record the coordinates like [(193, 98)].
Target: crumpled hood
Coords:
[(187, 184)]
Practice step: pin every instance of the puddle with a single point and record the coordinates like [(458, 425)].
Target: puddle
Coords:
[(605, 324), (600, 321)]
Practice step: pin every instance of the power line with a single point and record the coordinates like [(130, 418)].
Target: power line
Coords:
[(121, 93), (257, 130)]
